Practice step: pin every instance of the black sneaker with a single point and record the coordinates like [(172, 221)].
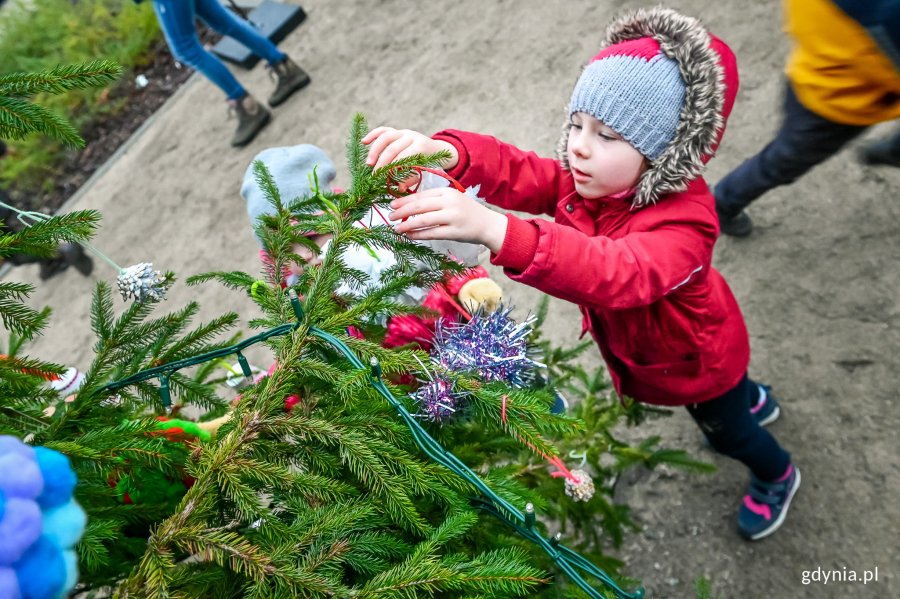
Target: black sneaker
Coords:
[(51, 267), (883, 152), (739, 225), (74, 255)]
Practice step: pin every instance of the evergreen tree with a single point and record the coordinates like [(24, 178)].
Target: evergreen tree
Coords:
[(336, 497), (21, 387)]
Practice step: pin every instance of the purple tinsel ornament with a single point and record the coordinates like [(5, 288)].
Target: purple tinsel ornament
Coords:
[(490, 345), (436, 399)]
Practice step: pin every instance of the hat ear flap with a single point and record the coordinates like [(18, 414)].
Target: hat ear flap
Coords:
[(689, 44), (562, 144)]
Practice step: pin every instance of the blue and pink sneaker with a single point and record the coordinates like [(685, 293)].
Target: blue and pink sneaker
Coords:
[(766, 505), (766, 409)]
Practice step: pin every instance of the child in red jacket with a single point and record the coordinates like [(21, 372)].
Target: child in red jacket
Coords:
[(633, 233)]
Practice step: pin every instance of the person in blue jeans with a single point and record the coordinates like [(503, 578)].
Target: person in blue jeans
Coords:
[(177, 17)]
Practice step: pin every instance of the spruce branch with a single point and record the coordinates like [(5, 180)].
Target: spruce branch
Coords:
[(20, 117), (59, 79)]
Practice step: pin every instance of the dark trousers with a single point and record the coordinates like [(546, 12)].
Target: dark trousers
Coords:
[(733, 431), (20, 259), (804, 140)]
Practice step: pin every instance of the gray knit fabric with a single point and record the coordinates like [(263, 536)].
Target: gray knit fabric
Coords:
[(291, 167), (639, 99)]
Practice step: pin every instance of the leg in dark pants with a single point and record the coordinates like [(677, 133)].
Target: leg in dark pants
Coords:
[(733, 431), (804, 140)]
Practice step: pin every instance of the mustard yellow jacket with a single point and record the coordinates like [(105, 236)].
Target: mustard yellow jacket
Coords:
[(836, 68)]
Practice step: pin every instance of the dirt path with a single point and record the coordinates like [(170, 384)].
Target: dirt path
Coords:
[(818, 283)]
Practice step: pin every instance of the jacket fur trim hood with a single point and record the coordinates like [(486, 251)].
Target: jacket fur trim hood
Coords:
[(702, 61)]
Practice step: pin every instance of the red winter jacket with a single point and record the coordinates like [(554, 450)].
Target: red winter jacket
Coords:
[(666, 322)]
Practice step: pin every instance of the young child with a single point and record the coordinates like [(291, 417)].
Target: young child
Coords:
[(291, 168), (633, 236)]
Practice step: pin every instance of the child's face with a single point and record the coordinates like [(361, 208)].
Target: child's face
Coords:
[(305, 253), (602, 163)]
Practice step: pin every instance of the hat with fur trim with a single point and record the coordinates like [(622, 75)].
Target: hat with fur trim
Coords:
[(658, 81)]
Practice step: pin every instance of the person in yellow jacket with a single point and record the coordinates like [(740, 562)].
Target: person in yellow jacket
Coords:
[(843, 76)]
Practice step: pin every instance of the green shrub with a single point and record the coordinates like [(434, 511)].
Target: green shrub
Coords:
[(40, 34)]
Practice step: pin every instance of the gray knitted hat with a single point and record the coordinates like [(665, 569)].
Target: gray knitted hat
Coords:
[(291, 167), (636, 90), (660, 83)]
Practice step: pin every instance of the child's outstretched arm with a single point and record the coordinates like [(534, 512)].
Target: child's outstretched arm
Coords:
[(435, 213), (387, 145), (445, 213), (601, 272), (505, 175)]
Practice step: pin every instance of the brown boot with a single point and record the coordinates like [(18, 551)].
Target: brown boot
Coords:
[(252, 117), (289, 78)]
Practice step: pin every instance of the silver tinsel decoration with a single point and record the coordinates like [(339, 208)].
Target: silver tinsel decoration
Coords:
[(583, 490), (492, 345), (141, 282), (437, 400)]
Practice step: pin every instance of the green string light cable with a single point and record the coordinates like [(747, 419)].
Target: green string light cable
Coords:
[(568, 560)]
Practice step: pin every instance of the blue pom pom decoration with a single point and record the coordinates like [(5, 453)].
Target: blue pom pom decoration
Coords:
[(20, 477), (59, 480), (40, 522), (41, 571), (19, 529), (12, 445), (65, 524), (9, 584)]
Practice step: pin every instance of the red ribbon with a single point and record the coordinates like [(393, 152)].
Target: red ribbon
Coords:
[(393, 186), (562, 471)]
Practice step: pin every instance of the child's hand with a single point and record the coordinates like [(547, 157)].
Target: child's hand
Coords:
[(445, 213), (388, 145)]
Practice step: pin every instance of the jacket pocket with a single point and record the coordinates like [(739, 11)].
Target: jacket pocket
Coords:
[(663, 383), (658, 374)]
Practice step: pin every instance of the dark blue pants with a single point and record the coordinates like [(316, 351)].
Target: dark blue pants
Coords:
[(804, 140), (733, 431), (176, 18)]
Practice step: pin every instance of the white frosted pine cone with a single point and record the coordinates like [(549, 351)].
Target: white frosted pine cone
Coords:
[(583, 490), (141, 283)]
